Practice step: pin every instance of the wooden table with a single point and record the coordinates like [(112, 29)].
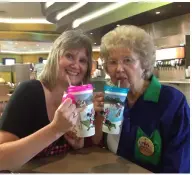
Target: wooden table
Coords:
[(88, 160)]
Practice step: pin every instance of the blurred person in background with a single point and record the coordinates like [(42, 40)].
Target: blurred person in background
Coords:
[(155, 131), (38, 68), (35, 123)]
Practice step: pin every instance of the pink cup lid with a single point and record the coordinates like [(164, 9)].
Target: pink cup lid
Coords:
[(80, 88)]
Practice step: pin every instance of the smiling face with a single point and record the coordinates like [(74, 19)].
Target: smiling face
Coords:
[(121, 65), (73, 63)]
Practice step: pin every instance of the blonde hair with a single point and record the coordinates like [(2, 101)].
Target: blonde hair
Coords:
[(139, 42), (71, 39)]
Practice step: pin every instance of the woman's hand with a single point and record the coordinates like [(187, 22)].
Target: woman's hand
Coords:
[(66, 117), (98, 102), (73, 140)]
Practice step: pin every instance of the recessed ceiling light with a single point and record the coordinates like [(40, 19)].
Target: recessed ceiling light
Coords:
[(95, 43), (49, 3), (16, 43), (91, 33), (157, 13), (71, 9), (118, 25), (98, 13)]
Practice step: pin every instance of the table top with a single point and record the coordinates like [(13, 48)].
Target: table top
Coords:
[(87, 160)]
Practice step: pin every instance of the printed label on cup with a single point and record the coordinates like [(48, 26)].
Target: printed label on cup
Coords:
[(113, 109), (83, 96)]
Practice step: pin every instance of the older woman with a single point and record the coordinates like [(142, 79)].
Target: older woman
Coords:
[(34, 120), (155, 130)]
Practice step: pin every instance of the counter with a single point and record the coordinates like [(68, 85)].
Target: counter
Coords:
[(185, 81)]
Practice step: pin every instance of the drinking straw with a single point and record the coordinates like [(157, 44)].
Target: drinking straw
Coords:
[(69, 81), (119, 82)]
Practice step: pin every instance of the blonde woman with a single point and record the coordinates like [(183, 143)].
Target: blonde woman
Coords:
[(35, 122), (155, 132)]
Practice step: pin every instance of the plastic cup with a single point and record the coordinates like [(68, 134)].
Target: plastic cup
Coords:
[(113, 109), (82, 96)]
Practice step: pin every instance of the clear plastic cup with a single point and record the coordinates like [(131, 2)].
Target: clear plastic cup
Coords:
[(113, 108)]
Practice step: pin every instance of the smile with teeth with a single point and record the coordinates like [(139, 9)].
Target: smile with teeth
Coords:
[(72, 73)]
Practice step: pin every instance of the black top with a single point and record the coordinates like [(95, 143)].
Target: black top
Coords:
[(26, 111)]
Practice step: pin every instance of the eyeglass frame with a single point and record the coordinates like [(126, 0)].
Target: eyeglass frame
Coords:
[(131, 61)]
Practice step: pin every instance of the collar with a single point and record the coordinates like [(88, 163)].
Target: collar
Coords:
[(152, 93)]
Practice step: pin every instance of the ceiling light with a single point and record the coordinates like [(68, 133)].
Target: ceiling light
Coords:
[(91, 33), (98, 13), (24, 20), (37, 45), (16, 43), (157, 13), (70, 10), (117, 25), (95, 43), (49, 3), (76, 23)]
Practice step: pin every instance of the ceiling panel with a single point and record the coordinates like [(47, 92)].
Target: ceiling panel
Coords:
[(51, 12), (90, 7), (21, 10), (95, 29), (135, 13), (167, 11)]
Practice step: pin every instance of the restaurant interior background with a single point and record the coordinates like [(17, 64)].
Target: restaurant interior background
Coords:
[(28, 29)]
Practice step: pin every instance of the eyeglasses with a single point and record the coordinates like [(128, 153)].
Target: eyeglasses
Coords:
[(125, 62)]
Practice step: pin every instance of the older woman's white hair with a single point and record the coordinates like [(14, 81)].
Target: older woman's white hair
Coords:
[(137, 40), (72, 39)]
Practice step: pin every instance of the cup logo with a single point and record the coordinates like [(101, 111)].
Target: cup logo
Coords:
[(146, 146)]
